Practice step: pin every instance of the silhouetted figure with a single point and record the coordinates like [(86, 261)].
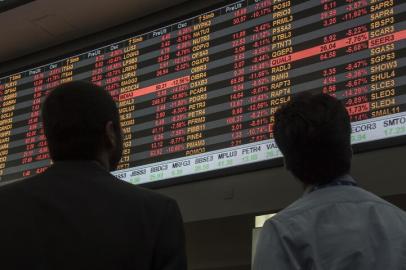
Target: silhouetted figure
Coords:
[(336, 224), (76, 215)]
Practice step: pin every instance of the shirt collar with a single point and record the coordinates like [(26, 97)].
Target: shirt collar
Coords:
[(345, 178)]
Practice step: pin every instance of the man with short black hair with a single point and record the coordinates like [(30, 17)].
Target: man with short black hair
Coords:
[(81, 122), (335, 225), (76, 215)]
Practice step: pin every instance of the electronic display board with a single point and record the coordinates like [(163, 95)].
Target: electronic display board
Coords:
[(199, 95)]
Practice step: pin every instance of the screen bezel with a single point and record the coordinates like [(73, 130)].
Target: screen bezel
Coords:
[(162, 22)]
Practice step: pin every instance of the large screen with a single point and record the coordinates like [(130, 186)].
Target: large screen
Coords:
[(199, 95)]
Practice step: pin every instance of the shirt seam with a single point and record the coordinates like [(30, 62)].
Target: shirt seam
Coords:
[(280, 219)]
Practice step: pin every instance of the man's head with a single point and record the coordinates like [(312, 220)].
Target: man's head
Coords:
[(81, 122), (313, 133)]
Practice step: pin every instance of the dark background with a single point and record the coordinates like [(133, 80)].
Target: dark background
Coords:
[(219, 212)]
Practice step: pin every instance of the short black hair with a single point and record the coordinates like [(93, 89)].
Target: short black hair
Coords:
[(74, 119), (313, 133)]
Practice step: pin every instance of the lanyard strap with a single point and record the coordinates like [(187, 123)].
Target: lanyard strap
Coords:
[(333, 184)]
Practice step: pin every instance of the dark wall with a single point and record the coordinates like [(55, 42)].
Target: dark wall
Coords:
[(220, 244)]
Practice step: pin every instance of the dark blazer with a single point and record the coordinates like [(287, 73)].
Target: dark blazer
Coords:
[(76, 215)]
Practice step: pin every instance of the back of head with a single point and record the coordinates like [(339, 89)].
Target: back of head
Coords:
[(314, 134), (74, 118)]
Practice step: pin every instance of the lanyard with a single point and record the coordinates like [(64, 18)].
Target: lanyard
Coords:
[(333, 184)]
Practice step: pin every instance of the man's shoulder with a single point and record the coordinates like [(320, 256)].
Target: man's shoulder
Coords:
[(17, 186), (133, 191), (333, 198), (140, 192), (85, 177), (106, 182)]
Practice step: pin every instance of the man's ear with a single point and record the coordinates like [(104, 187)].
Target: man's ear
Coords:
[(111, 136)]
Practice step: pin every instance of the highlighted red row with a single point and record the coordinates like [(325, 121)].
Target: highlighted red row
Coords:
[(335, 45), (155, 88), (387, 39)]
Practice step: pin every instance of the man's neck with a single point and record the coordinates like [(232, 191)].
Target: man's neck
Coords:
[(344, 178)]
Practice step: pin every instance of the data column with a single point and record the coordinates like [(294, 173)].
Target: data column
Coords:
[(113, 60), (3, 141), (97, 70), (158, 103), (260, 78), (177, 106), (328, 17), (52, 76), (383, 61), (129, 82), (387, 66), (67, 71), (356, 82), (111, 65), (8, 97), (7, 112), (282, 19), (196, 123), (113, 76), (31, 137), (236, 98)]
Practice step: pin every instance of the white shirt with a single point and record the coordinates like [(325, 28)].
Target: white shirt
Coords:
[(334, 228)]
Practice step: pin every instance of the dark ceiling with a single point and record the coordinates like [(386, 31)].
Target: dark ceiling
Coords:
[(42, 24), (10, 4)]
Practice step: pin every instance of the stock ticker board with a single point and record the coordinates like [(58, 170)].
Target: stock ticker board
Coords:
[(199, 95)]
